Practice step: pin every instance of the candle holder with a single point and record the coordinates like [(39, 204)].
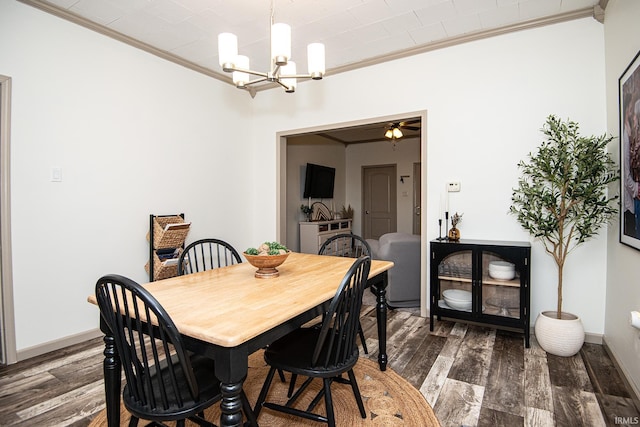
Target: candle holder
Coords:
[(446, 224), (440, 229)]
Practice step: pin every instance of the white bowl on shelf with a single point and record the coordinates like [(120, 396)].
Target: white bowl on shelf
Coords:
[(457, 294), (502, 270), (502, 275), (457, 299), (458, 305), (502, 266)]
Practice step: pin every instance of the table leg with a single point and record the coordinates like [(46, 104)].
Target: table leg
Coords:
[(231, 370), (112, 386), (381, 315), (231, 405)]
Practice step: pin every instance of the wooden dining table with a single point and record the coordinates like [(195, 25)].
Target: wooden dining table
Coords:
[(228, 313)]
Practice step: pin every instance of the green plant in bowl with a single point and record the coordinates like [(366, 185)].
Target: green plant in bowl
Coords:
[(266, 258)]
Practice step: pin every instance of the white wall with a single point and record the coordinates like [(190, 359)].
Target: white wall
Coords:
[(305, 150), (486, 103), (134, 135), (622, 41)]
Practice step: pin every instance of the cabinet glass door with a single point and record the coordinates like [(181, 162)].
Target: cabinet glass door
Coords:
[(455, 274), (500, 293)]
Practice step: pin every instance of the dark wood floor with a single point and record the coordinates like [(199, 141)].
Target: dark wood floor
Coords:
[(471, 375)]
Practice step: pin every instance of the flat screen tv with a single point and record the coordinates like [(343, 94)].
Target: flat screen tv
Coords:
[(319, 181)]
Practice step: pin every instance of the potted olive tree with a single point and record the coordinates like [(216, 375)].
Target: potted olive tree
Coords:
[(562, 200)]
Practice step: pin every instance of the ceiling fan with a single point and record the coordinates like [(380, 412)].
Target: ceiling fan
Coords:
[(394, 130)]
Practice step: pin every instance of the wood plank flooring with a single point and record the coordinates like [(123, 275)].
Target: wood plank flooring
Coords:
[(471, 375)]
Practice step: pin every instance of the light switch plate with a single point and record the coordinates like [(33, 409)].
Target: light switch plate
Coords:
[(453, 187), (56, 174)]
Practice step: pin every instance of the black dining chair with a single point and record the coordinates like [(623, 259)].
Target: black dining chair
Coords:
[(352, 246), (207, 254), (164, 382), (346, 245), (326, 352)]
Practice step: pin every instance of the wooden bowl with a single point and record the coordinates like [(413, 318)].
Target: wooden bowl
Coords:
[(266, 264)]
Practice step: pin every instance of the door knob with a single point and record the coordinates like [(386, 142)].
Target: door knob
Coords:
[(366, 212)]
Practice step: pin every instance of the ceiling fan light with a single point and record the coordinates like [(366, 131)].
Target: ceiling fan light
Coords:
[(280, 43), (315, 58), (227, 50), (397, 133), (389, 133)]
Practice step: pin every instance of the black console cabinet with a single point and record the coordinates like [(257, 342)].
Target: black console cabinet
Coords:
[(463, 268)]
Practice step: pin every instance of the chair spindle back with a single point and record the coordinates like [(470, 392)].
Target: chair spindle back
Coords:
[(207, 254), (146, 350), (337, 340)]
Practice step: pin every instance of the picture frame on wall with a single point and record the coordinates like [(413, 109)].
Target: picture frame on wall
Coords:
[(629, 112)]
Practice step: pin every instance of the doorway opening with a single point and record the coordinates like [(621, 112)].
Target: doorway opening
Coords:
[(356, 139)]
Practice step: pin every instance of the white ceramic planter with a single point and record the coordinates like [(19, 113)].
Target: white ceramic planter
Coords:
[(562, 337)]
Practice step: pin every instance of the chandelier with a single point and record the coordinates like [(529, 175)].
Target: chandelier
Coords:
[(283, 69)]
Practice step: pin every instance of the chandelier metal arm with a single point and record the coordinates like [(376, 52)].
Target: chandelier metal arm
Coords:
[(272, 76), (300, 76), (286, 87), (244, 70), (250, 82)]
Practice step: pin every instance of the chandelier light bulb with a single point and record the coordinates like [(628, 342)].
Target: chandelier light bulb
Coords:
[(315, 58), (280, 43), (289, 82), (240, 78), (227, 50)]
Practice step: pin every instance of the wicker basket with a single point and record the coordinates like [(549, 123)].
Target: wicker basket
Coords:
[(171, 238), (161, 271)]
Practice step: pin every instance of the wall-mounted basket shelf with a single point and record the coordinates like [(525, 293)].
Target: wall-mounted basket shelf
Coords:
[(167, 234)]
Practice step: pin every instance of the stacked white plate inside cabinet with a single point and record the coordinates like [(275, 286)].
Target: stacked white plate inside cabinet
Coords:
[(457, 298), (502, 270)]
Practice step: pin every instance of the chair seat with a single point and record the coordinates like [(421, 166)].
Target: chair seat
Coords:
[(208, 386), (294, 353)]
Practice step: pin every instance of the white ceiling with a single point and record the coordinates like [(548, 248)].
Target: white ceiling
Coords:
[(355, 32)]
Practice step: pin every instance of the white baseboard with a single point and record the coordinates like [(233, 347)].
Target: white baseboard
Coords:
[(40, 349), (635, 393), (593, 338)]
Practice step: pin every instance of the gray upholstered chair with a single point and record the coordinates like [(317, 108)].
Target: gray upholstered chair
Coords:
[(403, 289)]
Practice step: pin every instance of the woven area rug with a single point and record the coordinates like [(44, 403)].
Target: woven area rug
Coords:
[(388, 399)]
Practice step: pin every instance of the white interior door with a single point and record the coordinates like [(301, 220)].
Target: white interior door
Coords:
[(379, 200)]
